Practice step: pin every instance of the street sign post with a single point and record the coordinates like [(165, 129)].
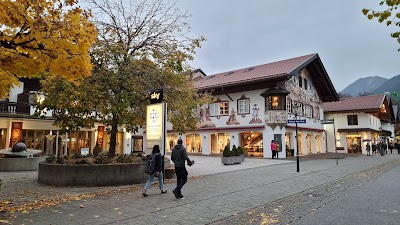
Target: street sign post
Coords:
[(332, 121)]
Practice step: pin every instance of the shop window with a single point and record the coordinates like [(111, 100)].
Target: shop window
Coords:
[(352, 120), (172, 140), (193, 143), (219, 109), (137, 144), (118, 145), (276, 102), (219, 141)]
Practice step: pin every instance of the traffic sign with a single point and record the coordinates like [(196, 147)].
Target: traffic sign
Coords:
[(297, 121), (329, 121)]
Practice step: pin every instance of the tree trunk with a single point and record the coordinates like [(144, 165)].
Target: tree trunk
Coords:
[(113, 138)]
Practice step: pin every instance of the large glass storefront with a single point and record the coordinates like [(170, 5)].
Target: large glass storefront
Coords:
[(353, 143), (252, 143), (219, 141), (193, 143)]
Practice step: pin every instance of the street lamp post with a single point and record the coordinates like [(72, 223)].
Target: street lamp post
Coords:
[(296, 112)]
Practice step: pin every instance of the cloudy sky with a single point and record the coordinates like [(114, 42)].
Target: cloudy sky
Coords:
[(247, 33)]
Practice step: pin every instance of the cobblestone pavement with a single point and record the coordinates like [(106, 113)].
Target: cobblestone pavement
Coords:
[(288, 209), (263, 194)]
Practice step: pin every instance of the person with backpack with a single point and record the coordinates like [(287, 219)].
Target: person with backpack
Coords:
[(154, 169), (179, 156)]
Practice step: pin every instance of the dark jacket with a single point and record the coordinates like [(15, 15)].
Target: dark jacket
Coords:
[(179, 156), (158, 159)]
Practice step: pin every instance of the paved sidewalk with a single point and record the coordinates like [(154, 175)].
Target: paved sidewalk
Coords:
[(208, 199)]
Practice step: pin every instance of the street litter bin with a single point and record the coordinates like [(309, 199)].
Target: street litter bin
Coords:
[(382, 150)]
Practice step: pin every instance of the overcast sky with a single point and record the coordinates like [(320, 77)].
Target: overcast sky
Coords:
[(247, 33)]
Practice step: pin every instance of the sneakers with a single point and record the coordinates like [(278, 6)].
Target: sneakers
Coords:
[(145, 195), (163, 191)]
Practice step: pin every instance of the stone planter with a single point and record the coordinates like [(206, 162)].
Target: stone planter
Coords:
[(93, 175), (237, 159), (227, 160), (241, 157), (231, 160), (20, 164)]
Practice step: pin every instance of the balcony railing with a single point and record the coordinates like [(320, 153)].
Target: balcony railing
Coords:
[(22, 108)]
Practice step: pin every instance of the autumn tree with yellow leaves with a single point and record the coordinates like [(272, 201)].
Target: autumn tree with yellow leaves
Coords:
[(142, 46), (44, 37)]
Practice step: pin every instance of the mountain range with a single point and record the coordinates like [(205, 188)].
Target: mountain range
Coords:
[(372, 85)]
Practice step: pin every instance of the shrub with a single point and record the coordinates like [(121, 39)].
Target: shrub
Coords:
[(102, 158), (60, 160), (50, 158), (77, 155), (240, 150), (124, 158), (235, 151), (226, 152), (82, 161)]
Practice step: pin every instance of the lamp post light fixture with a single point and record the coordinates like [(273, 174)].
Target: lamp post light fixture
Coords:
[(296, 109)]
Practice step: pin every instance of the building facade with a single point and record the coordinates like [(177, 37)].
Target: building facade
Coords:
[(252, 107), (255, 105)]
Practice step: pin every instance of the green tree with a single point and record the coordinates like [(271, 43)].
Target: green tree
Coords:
[(141, 47), (390, 15)]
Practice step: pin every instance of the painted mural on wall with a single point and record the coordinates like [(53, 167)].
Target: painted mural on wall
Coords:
[(254, 115), (232, 118), (305, 93), (204, 118)]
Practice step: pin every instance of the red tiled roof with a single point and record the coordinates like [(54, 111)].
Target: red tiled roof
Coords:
[(358, 103), (270, 70)]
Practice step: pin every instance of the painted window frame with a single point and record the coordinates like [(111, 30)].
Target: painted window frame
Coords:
[(246, 101), (216, 109)]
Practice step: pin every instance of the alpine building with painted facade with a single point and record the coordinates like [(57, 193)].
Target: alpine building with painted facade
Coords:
[(252, 107)]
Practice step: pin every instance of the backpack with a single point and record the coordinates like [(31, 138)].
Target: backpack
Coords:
[(151, 164)]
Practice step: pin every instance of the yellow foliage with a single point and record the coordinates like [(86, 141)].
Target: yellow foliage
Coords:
[(44, 36)]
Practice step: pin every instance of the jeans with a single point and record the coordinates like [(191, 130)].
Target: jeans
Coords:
[(150, 180), (181, 175)]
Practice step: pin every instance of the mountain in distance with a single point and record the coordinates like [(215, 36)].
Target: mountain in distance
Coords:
[(365, 85), (393, 84)]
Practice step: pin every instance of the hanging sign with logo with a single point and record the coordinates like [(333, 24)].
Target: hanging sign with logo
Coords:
[(100, 136), (16, 133)]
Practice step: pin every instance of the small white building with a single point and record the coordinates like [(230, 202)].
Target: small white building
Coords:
[(358, 121)]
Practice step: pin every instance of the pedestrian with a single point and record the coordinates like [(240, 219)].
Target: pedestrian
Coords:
[(179, 156), (368, 148), (273, 149), (391, 147), (158, 172)]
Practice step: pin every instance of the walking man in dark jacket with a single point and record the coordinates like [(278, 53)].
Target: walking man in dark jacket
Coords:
[(179, 156)]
